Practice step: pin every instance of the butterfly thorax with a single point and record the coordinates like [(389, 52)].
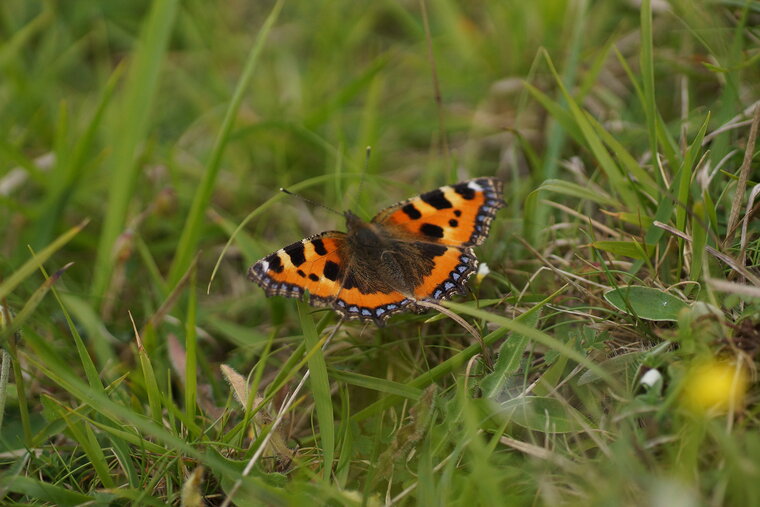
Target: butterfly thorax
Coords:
[(379, 261), (361, 234)]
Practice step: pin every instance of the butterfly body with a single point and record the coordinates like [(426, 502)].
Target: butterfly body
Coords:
[(419, 249)]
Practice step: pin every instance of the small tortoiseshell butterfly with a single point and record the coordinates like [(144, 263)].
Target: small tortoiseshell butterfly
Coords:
[(418, 249)]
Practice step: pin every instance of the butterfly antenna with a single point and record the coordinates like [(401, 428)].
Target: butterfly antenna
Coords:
[(310, 201)]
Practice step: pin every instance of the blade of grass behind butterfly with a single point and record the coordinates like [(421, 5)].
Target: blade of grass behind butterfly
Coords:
[(345, 433), (191, 346), (149, 376), (93, 377), (617, 180), (188, 241), (35, 262), (698, 240), (82, 434), (130, 131), (630, 164), (686, 172), (667, 143), (367, 129), (73, 168), (320, 389), (664, 211), (556, 136), (454, 362), (98, 337), (646, 62)]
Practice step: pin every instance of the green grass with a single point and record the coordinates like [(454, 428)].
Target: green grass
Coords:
[(142, 145)]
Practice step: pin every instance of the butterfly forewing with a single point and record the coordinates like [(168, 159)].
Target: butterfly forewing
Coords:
[(457, 215), (312, 264)]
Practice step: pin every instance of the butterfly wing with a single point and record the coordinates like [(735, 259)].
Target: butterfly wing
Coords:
[(456, 215), (318, 264), (445, 224)]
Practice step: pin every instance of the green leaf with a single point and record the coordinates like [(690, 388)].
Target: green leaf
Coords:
[(645, 302)]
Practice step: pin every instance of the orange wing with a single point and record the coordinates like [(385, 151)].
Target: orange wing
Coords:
[(452, 267), (457, 215), (317, 265)]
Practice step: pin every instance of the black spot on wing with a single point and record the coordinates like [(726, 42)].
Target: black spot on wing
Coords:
[(301, 273), (436, 199), (313, 277), (331, 270), (411, 211), (430, 250), (431, 230), (296, 253), (453, 223), (458, 212), (319, 246), (275, 264), (464, 190)]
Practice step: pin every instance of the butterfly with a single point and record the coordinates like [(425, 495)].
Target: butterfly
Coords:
[(418, 249)]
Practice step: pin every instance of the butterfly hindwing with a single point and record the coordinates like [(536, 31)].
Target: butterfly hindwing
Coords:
[(451, 270), (457, 215)]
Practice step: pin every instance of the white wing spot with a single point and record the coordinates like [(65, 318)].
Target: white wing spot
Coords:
[(264, 266), (475, 186)]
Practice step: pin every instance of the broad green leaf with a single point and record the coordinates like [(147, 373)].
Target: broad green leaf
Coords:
[(645, 302)]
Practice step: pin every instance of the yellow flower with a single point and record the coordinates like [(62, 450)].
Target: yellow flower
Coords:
[(714, 387)]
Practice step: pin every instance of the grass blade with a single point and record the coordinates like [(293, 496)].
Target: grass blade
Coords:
[(191, 232), (38, 260), (130, 132), (320, 388)]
